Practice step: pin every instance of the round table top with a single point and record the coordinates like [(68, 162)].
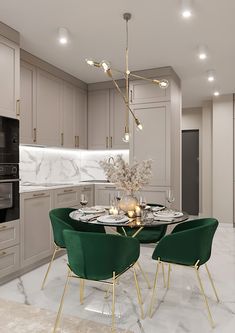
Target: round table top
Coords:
[(136, 222)]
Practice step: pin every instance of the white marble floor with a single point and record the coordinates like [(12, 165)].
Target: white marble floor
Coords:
[(181, 309)]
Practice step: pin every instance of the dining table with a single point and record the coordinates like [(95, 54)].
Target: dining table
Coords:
[(101, 216)]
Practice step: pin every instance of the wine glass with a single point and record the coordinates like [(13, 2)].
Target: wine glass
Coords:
[(118, 196), (83, 200), (142, 202), (170, 197)]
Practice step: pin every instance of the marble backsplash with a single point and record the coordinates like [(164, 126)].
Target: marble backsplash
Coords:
[(51, 165)]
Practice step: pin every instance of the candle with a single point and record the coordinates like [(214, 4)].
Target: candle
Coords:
[(137, 210), (111, 210), (115, 211), (131, 213)]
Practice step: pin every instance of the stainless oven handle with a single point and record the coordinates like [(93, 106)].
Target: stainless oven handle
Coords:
[(9, 180)]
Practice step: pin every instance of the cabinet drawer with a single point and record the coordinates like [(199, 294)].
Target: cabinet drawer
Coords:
[(67, 197), (9, 260), (9, 234)]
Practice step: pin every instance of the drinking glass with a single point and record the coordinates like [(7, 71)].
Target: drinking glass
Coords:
[(170, 197), (83, 200), (142, 202)]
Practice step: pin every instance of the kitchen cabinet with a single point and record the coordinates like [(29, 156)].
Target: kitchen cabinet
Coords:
[(9, 234), (49, 109), (104, 194), (36, 233), (9, 78), (27, 103), (68, 116), (67, 197), (154, 195), (80, 119), (106, 119)]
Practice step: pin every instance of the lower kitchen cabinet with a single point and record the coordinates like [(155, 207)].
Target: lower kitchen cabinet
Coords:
[(104, 194), (9, 260), (9, 234), (154, 195), (36, 233), (66, 197)]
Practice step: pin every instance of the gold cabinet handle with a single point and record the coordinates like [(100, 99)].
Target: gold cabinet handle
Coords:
[(75, 141), (3, 227), (3, 254), (131, 96), (111, 142), (107, 141), (62, 139), (39, 194), (17, 107), (68, 190), (78, 141), (34, 135)]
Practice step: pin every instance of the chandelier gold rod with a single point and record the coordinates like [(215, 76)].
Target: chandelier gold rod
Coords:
[(127, 77), (135, 75), (109, 73)]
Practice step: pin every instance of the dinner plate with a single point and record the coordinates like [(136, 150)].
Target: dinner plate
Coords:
[(167, 214), (113, 219), (92, 210), (157, 208)]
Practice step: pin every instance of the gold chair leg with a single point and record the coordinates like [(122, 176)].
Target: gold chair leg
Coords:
[(138, 294), (82, 282), (113, 304), (154, 287), (212, 283), (61, 303), (204, 295), (49, 267), (144, 275), (168, 276), (163, 275)]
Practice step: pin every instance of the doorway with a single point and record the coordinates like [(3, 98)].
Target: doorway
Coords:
[(190, 171)]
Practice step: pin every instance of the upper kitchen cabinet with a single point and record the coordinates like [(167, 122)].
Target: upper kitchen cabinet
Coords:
[(49, 108), (98, 119), (68, 116), (80, 139), (9, 78), (27, 103), (106, 119)]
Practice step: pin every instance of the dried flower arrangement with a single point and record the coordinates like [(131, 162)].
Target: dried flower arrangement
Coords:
[(126, 177)]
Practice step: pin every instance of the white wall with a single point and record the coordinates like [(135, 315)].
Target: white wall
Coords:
[(222, 180)]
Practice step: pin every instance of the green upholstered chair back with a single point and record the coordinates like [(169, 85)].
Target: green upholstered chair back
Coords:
[(60, 221), (95, 256), (189, 241)]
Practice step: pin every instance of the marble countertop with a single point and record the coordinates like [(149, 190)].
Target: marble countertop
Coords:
[(53, 186)]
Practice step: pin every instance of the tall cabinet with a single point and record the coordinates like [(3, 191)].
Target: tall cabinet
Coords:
[(9, 78), (159, 111)]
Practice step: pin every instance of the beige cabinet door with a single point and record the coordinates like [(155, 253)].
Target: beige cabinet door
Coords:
[(9, 78), (117, 120), (98, 119), (104, 194), (36, 234), (67, 197), (142, 92), (68, 116), (27, 103), (49, 104), (153, 142), (9, 234), (81, 119), (9, 260)]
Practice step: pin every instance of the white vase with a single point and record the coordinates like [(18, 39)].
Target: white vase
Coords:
[(128, 203)]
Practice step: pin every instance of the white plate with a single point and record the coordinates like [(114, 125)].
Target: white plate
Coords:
[(92, 210), (113, 219), (157, 208), (167, 214)]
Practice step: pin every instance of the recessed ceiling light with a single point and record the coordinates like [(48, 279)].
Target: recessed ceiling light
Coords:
[(216, 93), (211, 76), (202, 52), (63, 36), (186, 8)]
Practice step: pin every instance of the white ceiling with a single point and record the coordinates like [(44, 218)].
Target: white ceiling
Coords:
[(158, 37)]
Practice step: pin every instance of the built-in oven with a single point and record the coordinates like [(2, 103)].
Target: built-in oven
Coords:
[(9, 140), (9, 192)]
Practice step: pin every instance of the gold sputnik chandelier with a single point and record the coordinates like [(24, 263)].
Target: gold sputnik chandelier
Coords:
[(109, 70)]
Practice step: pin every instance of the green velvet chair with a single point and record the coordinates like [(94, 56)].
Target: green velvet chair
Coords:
[(60, 221), (146, 236), (189, 245), (99, 257)]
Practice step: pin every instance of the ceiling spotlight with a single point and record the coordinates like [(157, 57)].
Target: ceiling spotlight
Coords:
[(63, 36), (202, 52), (186, 8), (211, 76), (216, 93), (163, 84)]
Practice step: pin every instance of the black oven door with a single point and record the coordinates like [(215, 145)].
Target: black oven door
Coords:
[(9, 140), (9, 200)]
